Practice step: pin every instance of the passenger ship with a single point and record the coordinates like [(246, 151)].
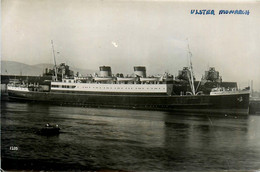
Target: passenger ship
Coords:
[(132, 92)]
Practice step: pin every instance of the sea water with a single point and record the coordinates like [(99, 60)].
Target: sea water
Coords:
[(127, 140)]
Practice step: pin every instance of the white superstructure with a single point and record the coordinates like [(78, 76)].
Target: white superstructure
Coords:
[(119, 88), (12, 87), (223, 91)]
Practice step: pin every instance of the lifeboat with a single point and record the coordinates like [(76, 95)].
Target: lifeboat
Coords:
[(149, 79), (125, 79), (103, 79)]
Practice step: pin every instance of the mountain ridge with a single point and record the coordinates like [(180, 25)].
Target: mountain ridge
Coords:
[(18, 68)]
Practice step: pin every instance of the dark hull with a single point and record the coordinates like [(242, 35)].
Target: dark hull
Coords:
[(229, 104)]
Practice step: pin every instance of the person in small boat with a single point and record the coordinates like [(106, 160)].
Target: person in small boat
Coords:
[(51, 127)]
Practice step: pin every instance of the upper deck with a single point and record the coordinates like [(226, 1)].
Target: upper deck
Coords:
[(116, 88)]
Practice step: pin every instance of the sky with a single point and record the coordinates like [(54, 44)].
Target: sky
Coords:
[(123, 34)]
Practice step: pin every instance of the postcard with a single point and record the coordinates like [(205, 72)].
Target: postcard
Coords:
[(129, 85)]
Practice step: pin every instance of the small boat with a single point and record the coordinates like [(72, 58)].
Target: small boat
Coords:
[(49, 130)]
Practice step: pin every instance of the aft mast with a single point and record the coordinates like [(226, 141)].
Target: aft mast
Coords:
[(55, 65), (191, 76)]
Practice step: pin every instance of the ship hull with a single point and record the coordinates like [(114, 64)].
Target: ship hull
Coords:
[(228, 104)]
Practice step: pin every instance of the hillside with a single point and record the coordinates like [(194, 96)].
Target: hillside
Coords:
[(17, 68)]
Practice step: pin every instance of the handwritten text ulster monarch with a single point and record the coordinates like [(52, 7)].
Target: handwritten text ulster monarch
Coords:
[(220, 12)]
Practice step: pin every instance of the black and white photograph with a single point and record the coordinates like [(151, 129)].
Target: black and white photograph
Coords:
[(130, 85)]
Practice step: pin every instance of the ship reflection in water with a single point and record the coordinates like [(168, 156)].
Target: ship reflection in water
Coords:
[(128, 140)]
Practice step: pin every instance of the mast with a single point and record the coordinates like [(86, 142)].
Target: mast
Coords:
[(191, 76), (55, 65)]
